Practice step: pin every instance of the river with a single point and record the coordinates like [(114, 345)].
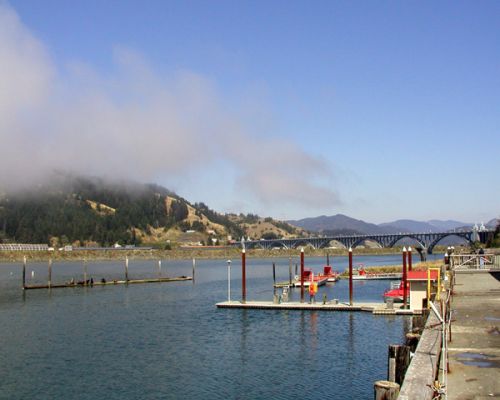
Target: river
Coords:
[(169, 341)]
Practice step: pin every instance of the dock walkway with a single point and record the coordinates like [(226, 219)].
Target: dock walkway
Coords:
[(106, 283), (374, 308), (474, 352)]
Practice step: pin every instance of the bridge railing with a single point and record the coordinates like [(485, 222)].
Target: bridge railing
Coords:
[(474, 261)]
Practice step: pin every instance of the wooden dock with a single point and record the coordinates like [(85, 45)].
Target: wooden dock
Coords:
[(374, 308), (279, 285), (106, 283)]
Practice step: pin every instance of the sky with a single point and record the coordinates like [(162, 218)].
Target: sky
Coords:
[(291, 109)]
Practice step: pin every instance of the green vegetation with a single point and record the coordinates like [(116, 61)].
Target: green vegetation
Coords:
[(269, 236), (233, 228), (77, 210), (495, 241)]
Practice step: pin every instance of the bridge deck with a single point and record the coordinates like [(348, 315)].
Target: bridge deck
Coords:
[(426, 240)]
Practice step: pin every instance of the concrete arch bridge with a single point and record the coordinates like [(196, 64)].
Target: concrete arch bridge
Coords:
[(426, 241)]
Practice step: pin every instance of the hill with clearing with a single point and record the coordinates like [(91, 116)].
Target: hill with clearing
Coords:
[(85, 211)]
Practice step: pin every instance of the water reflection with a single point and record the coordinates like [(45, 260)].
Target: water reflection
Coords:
[(351, 338), (313, 318), (245, 328)]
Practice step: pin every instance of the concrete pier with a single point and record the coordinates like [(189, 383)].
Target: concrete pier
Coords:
[(474, 350), (473, 344)]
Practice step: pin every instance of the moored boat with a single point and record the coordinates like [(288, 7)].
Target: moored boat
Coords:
[(396, 292), (309, 277), (331, 275)]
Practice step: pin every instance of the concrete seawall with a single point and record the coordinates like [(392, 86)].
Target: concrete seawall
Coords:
[(474, 351), (423, 368), (473, 344)]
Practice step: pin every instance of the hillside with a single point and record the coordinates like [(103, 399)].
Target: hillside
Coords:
[(91, 211), (338, 225), (343, 225)]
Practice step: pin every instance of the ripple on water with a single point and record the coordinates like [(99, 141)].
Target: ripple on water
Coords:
[(168, 341)]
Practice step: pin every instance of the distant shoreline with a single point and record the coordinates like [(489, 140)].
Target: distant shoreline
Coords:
[(178, 254)]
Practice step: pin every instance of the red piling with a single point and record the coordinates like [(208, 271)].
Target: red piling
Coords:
[(243, 277), (302, 275), (409, 259), (405, 280), (350, 276)]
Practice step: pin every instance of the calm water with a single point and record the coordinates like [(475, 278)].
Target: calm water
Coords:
[(168, 341)]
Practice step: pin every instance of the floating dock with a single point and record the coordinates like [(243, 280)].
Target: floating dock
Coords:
[(374, 308), (101, 283)]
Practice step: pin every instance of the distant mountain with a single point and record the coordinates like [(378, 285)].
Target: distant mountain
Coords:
[(448, 225), (493, 223), (408, 225), (341, 224), (338, 224)]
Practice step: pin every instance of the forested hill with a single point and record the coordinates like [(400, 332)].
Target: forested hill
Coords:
[(91, 211)]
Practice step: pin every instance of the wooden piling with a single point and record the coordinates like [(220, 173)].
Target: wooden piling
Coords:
[(302, 275), (327, 259), (49, 283), (84, 272), (159, 269), (418, 323), (412, 341), (24, 272), (385, 390), (391, 363), (126, 269), (290, 271), (194, 268), (428, 289), (410, 259), (405, 281), (229, 280), (274, 278), (399, 359), (243, 276)]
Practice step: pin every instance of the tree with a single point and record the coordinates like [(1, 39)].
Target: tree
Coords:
[(269, 236)]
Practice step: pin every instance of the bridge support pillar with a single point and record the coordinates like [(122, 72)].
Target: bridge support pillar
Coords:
[(423, 252)]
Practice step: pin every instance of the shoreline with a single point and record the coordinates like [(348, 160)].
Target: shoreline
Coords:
[(223, 253)]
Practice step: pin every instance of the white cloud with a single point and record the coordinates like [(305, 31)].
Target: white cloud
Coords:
[(135, 124)]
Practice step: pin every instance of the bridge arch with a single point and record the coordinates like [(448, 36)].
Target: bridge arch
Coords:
[(302, 243), (435, 242), (393, 242), (337, 244), (259, 245), (278, 243), (366, 239)]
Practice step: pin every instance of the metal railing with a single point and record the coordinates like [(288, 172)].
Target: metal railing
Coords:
[(474, 261), (23, 247)]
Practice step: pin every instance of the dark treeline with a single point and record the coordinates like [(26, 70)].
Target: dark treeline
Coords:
[(63, 210)]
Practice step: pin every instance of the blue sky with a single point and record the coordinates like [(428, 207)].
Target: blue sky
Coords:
[(378, 110)]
